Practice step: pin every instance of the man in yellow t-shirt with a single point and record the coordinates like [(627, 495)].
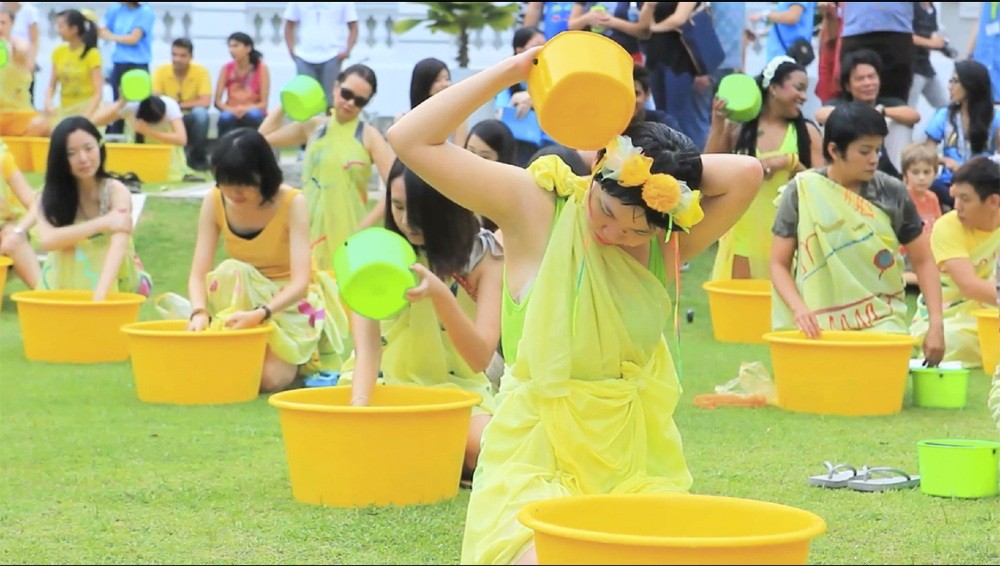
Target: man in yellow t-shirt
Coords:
[(190, 85), (966, 243)]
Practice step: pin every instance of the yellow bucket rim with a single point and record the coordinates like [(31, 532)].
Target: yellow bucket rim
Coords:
[(986, 313), (144, 329), (37, 297), (720, 287), (6, 261), (278, 400), (798, 337), (815, 529)]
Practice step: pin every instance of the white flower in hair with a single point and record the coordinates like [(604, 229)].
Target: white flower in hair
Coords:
[(618, 151), (772, 66)]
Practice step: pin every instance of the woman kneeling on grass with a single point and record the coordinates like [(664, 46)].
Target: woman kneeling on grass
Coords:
[(85, 219), (17, 216), (269, 275)]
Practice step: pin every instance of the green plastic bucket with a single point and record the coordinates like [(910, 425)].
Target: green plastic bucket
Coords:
[(302, 98), (136, 85), (937, 388), (743, 98), (373, 272), (959, 468)]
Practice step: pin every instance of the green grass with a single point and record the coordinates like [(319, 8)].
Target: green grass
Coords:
[(90, 474)]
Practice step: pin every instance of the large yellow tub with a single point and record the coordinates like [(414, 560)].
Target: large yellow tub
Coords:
[(406, 448), (172, 365), (5, 265), (988, 321), (70, 327), (39, 148), (669, 529), (841, 373), (20, 148), (150, 161), (740, 309)]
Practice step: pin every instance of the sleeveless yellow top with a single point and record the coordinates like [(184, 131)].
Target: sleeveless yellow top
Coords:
[(268, 251), (15, 82)]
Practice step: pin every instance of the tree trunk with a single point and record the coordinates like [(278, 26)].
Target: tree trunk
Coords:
[(463, 48)]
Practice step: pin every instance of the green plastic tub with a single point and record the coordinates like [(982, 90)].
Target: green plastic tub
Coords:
[(959, 468)]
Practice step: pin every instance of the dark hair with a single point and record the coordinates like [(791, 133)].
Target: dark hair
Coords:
[(982, 173), (975, 79), (85, 28), (151, 110), (746, 140), (363, 71), (61, 193), (640, 75), (673, 153), (243, 157), (498, 136), (849, 122), (255, 56), (522, 36), (184, 43), (449, 230), (568, 155), (852, 60), (425, 72)]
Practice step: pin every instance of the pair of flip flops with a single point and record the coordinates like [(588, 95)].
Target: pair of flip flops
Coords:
[(880, 478)]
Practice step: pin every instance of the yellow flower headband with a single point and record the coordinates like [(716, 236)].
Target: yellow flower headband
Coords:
[(664, 193)]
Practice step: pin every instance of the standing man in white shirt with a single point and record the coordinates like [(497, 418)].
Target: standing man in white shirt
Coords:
[(327, 34), (26, 28)]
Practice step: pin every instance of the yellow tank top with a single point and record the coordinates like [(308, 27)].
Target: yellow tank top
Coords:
[(15, 82), (268, 250)]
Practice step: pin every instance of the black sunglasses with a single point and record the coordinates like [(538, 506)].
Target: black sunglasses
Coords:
[(348, 95)]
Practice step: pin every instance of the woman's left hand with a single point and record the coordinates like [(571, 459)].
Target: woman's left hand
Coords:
[(427, 286), (934, 345), (245, 319)]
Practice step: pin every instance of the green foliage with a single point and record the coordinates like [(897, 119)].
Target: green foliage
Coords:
[(459, 18)]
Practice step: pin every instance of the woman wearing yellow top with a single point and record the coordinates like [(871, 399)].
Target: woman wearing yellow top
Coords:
[(587, 406), (785, 143), (16, 77), (17, 216), (76, 72), (264, 226)]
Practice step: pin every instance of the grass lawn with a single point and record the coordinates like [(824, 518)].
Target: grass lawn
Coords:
[(90, 474)]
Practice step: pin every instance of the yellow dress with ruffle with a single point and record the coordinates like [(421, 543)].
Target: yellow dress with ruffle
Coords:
[(587, 407), (416, 350), (313, 333)]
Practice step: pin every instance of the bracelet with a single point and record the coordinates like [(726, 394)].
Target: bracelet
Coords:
[(267, 311), (198, 311)]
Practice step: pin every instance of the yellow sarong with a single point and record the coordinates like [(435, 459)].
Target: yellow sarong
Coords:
[(847, 265), (587, 407)]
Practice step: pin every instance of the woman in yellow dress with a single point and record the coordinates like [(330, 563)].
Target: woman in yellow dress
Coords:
[(16, 77), (337, 167), (76, 73), (85, 218), (17, 216), (587, 406), (268, 276), (785, 143), (448, 334)]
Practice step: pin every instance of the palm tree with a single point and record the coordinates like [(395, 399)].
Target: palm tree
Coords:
[(459, 18)]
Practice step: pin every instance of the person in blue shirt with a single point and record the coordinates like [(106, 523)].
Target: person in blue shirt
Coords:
[(985, 43), (791, 21), (550, 17), (130, 26)]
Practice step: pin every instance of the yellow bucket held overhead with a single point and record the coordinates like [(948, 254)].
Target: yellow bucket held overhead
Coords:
[(669, 528), (582, 90)]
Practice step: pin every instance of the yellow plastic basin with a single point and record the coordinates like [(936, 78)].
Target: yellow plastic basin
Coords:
[(5, 263), (70, 327), (173, 365), (841, 373), (989, 338), (150, 161), (20, 148), (39, 148), (740, 309), (669, 529), (406, 448)]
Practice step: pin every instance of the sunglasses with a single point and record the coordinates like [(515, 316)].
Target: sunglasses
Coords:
[(348, 95)]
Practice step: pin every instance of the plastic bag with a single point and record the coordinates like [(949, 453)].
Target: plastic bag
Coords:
[(753, 379), (172, 306)]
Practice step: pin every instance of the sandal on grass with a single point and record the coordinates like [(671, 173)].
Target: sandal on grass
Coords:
[(837, 476), (322, 379), (888, 478)]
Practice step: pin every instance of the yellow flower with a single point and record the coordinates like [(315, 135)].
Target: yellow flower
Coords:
[(693, 214), (661, 192), (635, 170)]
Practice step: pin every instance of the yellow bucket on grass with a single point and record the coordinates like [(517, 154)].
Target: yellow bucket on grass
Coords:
[(740, 309), (173, 365), (406, 448), (5, 265), (20, 148), (669, 529), (150, 161), (39, 147), (582, 90), (841, 373), (988, 321), (70, 327)]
